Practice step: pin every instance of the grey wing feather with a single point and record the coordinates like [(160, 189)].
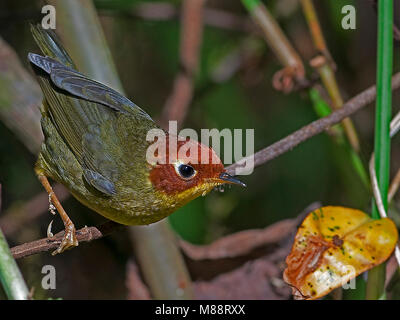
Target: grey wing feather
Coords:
[(99, 182), (46, 64), (79, 85)]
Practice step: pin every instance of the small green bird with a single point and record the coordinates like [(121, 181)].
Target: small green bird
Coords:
[(95, 144)]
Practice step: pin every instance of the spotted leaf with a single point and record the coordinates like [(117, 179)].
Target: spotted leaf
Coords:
[(334, 245)]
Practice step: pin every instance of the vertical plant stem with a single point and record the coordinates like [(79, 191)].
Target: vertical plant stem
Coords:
[(376, 277), (315, 28), (275, 36), (326, 70), (394, 186), (353, 146), (329, 80), (150, 253), (81, 30), (288, 56), (10, 275)]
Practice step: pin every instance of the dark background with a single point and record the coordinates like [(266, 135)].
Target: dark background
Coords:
[(147, 59)]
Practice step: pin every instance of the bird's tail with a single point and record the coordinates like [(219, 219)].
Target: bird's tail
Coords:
[(50, 45)]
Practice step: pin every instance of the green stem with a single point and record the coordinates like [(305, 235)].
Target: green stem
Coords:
[(322, 109), (376, 277), (326, 70), (10, 276), (288, 56), (329, 80)]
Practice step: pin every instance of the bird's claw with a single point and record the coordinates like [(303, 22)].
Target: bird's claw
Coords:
[(49, 233), (69, 240)]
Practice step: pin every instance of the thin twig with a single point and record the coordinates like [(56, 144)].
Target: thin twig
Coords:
[(85, 234), (394, 128), (315, 29), (394, 186), (312, 129), (261, 157), (378, 200), (326, 68), (280, 45), (328, 78)]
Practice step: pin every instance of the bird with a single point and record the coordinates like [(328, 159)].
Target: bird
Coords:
[(95, 145)]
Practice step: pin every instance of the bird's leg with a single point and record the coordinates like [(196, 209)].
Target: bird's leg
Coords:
[(69, 239)]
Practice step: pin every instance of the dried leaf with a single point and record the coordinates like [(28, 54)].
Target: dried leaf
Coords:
[(334, 245)]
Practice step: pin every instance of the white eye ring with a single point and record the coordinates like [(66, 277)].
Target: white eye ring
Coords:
[(184, 171)]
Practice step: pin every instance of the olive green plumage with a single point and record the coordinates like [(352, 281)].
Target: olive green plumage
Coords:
[(95, 140)]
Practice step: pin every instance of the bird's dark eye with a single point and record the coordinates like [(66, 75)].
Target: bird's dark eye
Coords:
[(186, 171)]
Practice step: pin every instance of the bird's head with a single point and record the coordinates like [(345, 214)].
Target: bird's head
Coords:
[(193, 170)]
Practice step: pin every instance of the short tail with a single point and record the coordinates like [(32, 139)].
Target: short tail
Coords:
[(50, 45)]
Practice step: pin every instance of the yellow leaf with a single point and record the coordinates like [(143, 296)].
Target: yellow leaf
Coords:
[(334, 245)]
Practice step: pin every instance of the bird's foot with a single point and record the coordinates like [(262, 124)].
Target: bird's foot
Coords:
[(69, 239)]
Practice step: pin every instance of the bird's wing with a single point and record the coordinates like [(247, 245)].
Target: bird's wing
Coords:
[(94, 120), (81, 86)]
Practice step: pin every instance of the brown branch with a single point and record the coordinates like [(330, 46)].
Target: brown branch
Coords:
[(85, 234), (293, 70), (261, 157), (326, 68), (191, 38), (326, 72), (312, 129), (315, 29)]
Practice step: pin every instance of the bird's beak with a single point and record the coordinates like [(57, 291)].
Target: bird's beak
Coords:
[(224, 176)]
